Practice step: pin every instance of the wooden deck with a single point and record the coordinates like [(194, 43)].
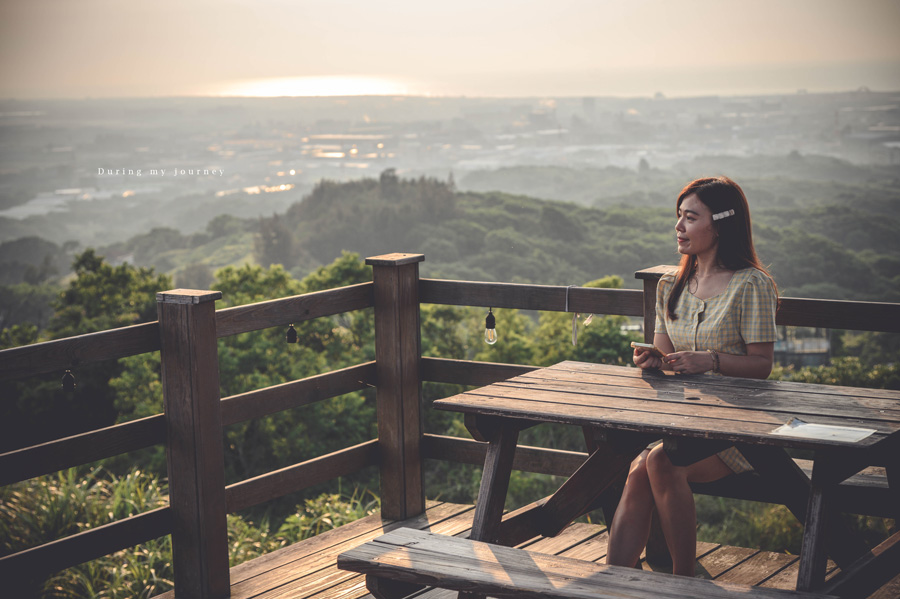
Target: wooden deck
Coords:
[(307, 569)]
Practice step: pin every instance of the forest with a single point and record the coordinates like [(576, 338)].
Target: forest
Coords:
[(821, 239)]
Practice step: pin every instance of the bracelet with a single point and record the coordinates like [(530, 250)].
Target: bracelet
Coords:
[(715, 357)]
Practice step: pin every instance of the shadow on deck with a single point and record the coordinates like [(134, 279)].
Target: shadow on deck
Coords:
[(308, 569)]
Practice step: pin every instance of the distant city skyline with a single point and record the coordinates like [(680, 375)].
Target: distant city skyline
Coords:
[(103, 48)]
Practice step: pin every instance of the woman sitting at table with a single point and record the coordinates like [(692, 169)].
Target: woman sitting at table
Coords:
[(716, 314)]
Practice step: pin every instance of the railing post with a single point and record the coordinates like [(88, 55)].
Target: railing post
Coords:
[(194, 448), (651, 276), (397, 362)]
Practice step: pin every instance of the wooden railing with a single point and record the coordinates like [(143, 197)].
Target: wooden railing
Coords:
[(191, 426)]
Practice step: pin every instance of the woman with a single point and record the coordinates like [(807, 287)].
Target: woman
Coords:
[(716, 314)]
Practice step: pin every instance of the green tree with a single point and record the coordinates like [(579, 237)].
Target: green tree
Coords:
[(99, 297), (259, 359)]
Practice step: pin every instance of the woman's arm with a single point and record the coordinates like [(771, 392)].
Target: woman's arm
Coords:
[(757, 364)]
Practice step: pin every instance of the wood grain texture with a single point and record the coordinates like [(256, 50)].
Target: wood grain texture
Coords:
[(291, 479), (399, 402), (394, 259), (80, 449), (71, 352), (318, 574), (468, 372), (585, 300), (700, 406), (254, 404), (85, 546), (307, 569), (494, 483), (294, 309), (459, 564), (870, 572), (811, 575), (194, 451)]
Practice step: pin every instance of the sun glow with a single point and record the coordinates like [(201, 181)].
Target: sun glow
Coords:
[(315, 86)]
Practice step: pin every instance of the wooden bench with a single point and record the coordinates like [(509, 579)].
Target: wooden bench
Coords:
[(405, 560), (864, 493)]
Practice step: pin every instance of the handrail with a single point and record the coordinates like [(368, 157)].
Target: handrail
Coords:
[(28, 462), (467, 372), (296, 308), (839, 314), (85, 546), (277, 398), (626, 302), (60, 354), (36, 460), (291, 479)]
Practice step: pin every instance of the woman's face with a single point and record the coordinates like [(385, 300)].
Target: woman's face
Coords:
[(694, 229)]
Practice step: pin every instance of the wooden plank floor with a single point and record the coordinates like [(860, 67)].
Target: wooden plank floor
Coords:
[(308, 569)]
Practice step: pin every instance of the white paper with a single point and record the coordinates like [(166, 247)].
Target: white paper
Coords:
[(826, 432)]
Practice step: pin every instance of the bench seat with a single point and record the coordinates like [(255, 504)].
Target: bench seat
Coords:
[(406, 560), (864, 493)]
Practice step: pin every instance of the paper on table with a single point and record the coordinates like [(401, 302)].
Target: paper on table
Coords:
[(806, 430)]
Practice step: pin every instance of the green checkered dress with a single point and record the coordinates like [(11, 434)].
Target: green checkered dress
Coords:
[(743, 313)]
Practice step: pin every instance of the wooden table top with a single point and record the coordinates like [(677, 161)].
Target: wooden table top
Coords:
[(698, 406)]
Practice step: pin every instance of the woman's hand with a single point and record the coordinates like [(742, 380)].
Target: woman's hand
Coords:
[(690, 362), (644, 359)]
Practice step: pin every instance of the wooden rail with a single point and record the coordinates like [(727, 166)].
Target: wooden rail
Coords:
[(467, 372), (294, 309), (195, 414), (301, 476), (91, 446), (71, 352), (84, 546), (585, 300), (277, 398), (60, 354)]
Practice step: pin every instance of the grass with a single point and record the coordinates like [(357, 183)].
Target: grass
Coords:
[(71, 501)]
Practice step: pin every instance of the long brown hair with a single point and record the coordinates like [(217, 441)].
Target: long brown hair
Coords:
[(735, 234)]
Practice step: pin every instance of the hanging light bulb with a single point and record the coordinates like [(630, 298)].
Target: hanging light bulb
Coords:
[(291, 335), (68, 381), (490, 328)]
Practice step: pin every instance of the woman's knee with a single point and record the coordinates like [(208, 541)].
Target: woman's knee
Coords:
[(637, 482), (658, 464)]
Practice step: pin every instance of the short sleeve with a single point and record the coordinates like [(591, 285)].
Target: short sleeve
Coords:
[(759, 302), (662, 295)]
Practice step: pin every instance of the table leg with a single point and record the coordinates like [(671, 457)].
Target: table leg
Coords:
[(824, 533), (581, 491), (812, 549), (494, 482)]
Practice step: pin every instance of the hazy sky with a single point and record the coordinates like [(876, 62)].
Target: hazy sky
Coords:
[(98, 48)]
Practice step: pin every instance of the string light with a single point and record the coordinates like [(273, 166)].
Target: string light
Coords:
[(490, 328)]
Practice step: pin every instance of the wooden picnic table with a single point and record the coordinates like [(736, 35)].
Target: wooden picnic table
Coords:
[(621, 409)]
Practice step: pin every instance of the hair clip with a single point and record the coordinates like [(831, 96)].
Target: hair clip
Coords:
[(721, 215)]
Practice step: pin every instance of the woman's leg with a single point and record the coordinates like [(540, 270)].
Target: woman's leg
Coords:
[(674, 501), (630, 527)]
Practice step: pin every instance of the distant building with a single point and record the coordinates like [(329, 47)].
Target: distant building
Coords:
[(808, 351)]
